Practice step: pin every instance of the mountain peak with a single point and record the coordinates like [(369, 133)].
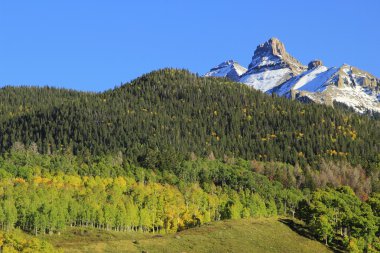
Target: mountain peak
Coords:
[(271, 66), (227, 63), (273, 46), (274, 70), (230, 69), (272, 55)]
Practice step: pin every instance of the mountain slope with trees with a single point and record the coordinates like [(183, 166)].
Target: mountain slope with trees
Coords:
[(178, 112), (172, 150), (44, 194)]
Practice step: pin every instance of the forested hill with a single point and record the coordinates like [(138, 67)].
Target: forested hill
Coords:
[(173, 113)]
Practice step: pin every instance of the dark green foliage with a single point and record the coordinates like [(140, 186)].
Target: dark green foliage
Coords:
[(338, 213), (175, 112)]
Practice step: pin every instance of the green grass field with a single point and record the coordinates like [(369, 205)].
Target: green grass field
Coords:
[(249, 235)]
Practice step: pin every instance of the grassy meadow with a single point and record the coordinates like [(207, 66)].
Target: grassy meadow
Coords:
[(247, 235)]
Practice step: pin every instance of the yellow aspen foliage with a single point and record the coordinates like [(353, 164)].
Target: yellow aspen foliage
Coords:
[(332, 152), (19, 180)]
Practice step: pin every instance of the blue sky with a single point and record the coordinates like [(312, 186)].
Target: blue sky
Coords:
[(96, 45)]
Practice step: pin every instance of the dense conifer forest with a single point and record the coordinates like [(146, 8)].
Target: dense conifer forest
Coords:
[(178, 112), (172, 150)]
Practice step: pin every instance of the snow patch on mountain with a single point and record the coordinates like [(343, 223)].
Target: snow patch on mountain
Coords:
[(347, 85), (273, 70), (266, 61), (266, 80), (355, 97), (314, 80), (230, 69)]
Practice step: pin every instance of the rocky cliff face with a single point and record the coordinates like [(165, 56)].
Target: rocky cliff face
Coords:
[(274, 70), (313, 64), (271, 66), (272, 55)]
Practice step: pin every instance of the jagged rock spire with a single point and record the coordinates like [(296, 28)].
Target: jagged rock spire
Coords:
[(272, 55), (273, 45)]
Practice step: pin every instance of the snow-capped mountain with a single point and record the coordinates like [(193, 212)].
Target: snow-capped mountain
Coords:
[(346, 84), (312, 80), (273, 70), (230, 69), (271, 65)]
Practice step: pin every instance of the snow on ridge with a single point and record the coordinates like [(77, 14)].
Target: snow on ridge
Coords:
[(316, 80), (356, 98), (240, 69), (273, 70), (266, 80), (265, 61), (220, 72), (344, 86), (313, 80), (230, 69)]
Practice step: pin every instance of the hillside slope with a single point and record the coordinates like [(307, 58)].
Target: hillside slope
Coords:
[(178, 112), (248, 235)]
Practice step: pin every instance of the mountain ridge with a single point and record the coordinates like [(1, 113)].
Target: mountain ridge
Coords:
[(230, 69), (274, 70)]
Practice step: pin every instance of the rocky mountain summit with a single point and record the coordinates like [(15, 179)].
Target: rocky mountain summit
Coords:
[(274, 70), (272, 55), (271, 65)]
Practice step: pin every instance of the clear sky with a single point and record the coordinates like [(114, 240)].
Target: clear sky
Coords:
[(94, 45)]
